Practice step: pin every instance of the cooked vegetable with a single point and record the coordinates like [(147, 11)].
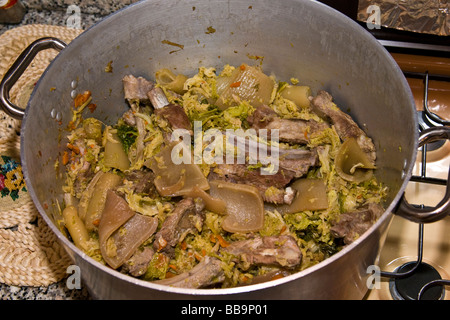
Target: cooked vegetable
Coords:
[(76, 228), (160, 196), (127, 135), (157, 268), (93, 129)]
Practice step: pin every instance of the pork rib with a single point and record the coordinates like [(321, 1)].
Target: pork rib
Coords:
[(291, 163), (323, 105), (172, 113), (184, 218), (239, 173), (353, 224), (206, 273), (280, 250), (135, 89), (290, 131)]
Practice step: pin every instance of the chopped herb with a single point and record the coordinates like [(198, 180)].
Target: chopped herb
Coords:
[(210, 30), (170, 43), (127, 135), (109, 67)]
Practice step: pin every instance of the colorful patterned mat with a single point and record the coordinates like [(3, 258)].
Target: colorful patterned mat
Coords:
[(30, 254)]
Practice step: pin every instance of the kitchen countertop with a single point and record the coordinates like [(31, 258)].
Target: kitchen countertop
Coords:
[(55, 12), (56, 291)]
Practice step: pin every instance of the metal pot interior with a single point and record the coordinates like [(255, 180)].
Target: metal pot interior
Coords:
[(292, 38)]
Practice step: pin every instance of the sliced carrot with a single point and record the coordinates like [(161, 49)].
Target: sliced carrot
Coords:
[(173, 267), (197, 256), (65, 158), (71, 125), (81, 98), (75, 149), (223, 243), (92, 107), (277, 276), (235, 84)]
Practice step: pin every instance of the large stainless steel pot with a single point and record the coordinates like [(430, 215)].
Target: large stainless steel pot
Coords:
[(295, 38)]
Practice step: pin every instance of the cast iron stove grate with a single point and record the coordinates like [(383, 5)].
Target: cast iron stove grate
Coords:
[(417, 280)]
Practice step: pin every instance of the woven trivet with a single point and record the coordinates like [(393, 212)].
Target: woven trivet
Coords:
[(30, 254)]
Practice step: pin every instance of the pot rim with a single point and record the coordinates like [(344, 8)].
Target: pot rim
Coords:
[(406, 174)]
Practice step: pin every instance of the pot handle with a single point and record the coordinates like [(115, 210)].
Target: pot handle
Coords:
[(442, 209), (19, 67)]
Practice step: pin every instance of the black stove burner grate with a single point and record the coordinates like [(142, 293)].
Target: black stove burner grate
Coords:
[(410, 287), (417, 280)]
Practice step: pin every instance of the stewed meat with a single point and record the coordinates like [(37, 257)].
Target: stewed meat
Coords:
[(137, 265), (353, 224), (291, 164), (204, 274), (298, 161), (280, 250), (345, 126), (176, 117), (271, 187), (142, 182), (184, 218), (172, 113), (291, 131), (135, 89)]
